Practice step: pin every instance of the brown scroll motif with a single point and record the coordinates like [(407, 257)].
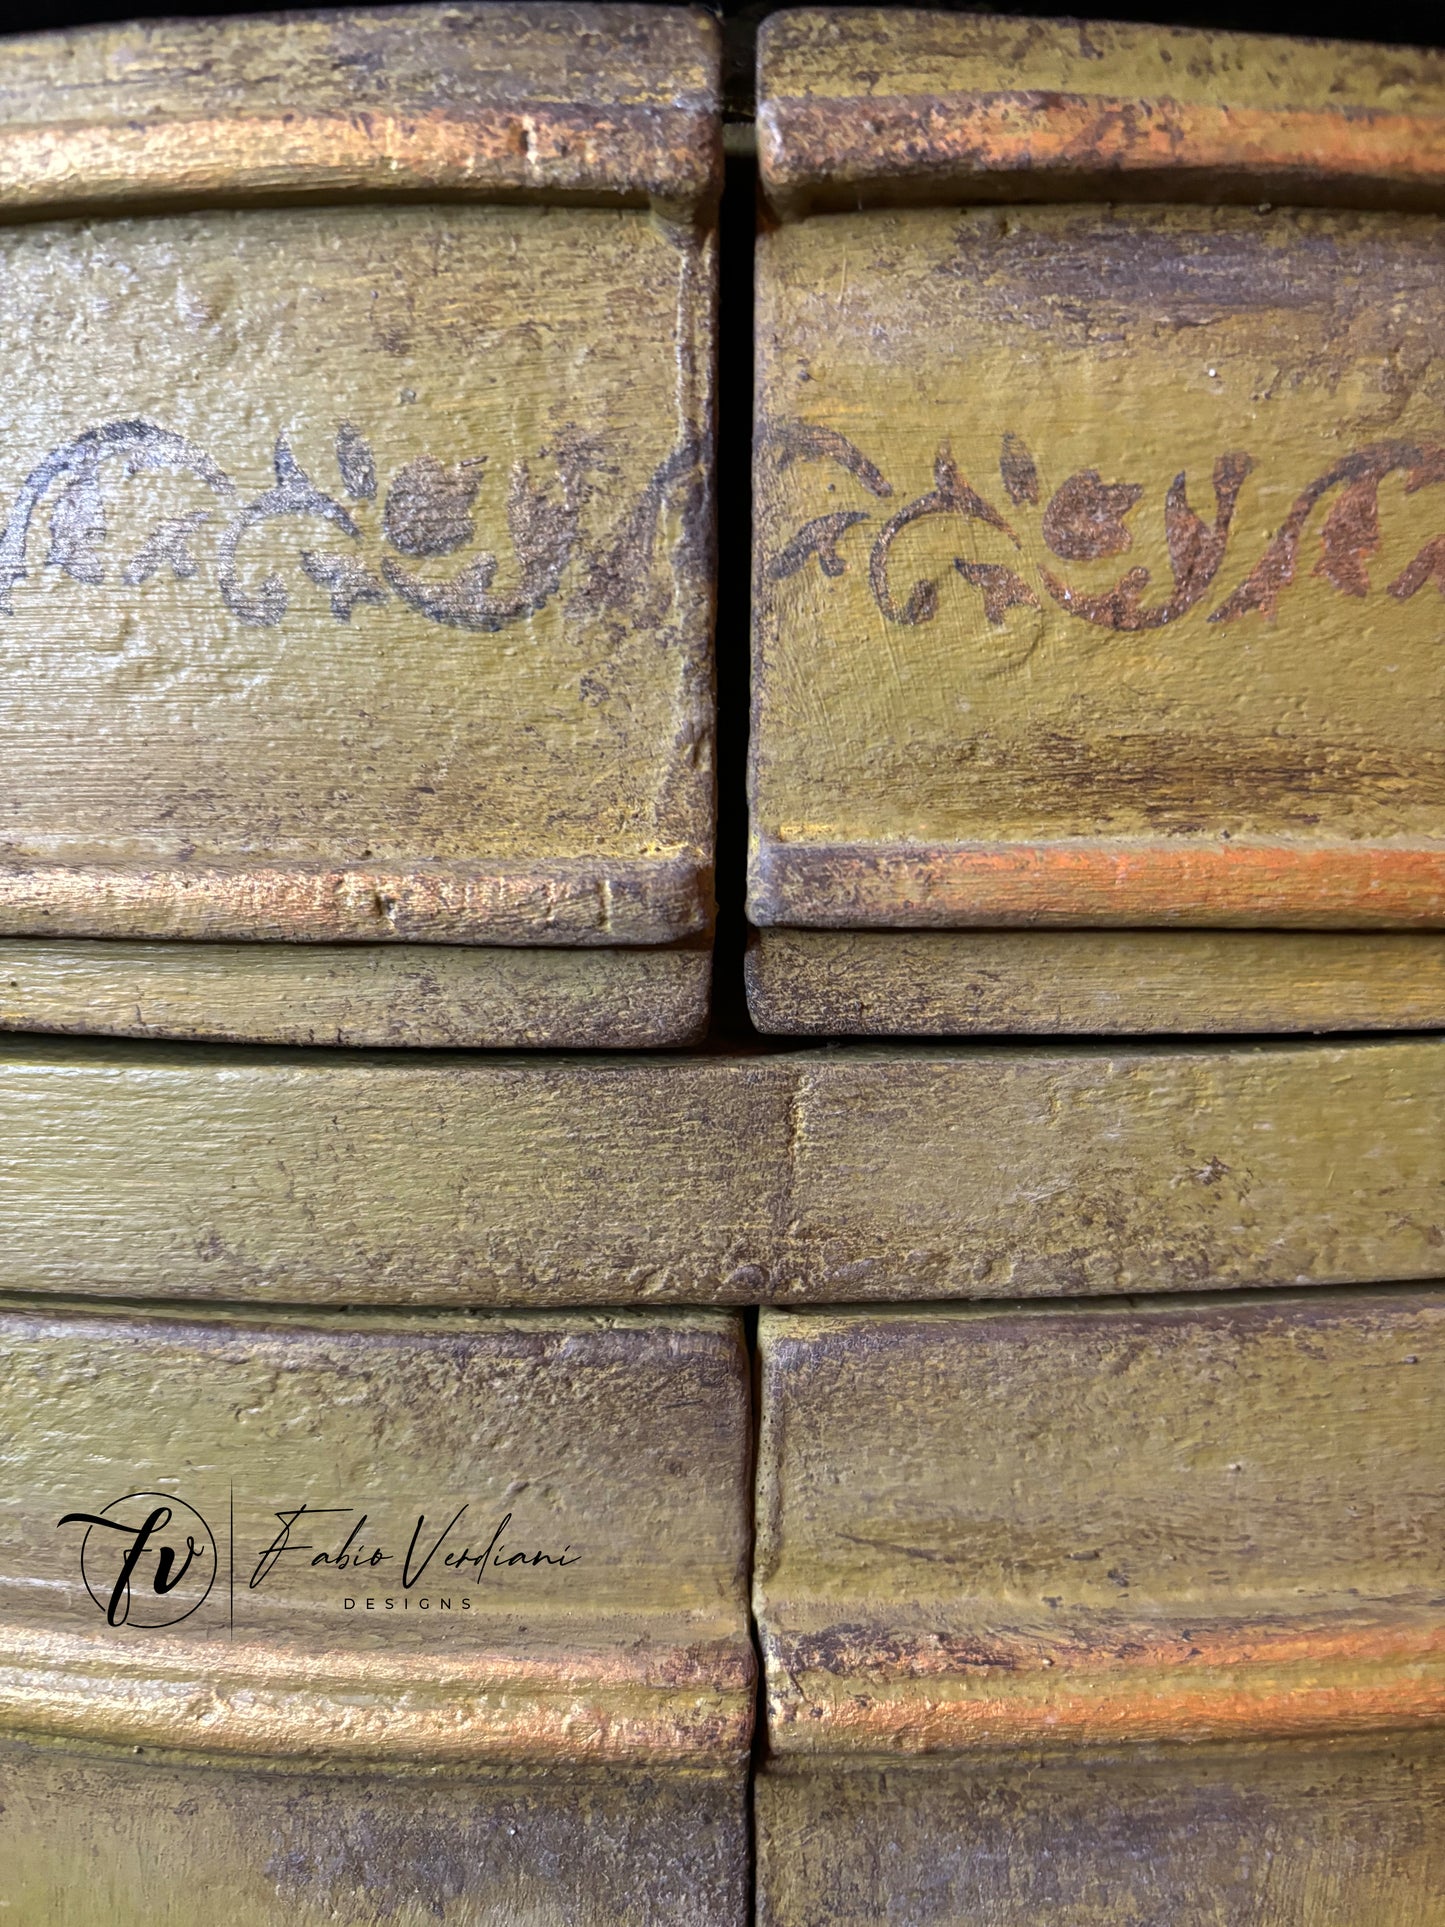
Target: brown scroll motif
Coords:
[(1087, 520), (428, 510)]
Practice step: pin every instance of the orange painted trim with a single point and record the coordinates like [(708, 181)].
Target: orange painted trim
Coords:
[(1219, 1683), (709, 1661), (689, 1705), (531, 150), (1033, 145), (1120, 1714), (566, 901), (1116, 882)]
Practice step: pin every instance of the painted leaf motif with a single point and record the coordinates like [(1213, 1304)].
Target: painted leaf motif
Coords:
[(544, 528), (1351, 535), (951, 494), (77, 529), (1195, 549), (1260, 592), (355, 463), (428, 506), (1085, 520), (1002, 588), (1018, 471), (294, 494), (1121, 607), (818, 537), (621, 574), (1427, 566), (798, 441), (1427, 471), (167, 546), (348, 580)]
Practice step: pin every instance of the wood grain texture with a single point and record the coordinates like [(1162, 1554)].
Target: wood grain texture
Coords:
[(96, 1838), (945, 983), (580, 1483), (871, 1172), (387, 586), (609, 104), (1097, 570), (859, 106), (1189, 1520), (369, 995), (1252, 1836)]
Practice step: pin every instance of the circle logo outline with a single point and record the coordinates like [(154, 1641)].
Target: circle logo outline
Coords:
[(175, 1504)]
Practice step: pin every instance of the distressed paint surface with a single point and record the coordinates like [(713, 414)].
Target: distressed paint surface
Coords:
[(387, 586), (1098, 569), (1180, 1521), (859, 1173), (1253, 1836), (945, 983), (368, 995), (94, 1838), (537, 102), (861, 106), (616, 1441)]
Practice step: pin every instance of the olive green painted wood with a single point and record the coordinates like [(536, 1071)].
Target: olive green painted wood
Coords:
[(428, 996), (862, 106), (862, 1172), (393, 629), (525, 1538), (1189, 1519), (610, 104), (347, 530), (106, 1839), (1258, 1836), (945, 983), (1097, 558)]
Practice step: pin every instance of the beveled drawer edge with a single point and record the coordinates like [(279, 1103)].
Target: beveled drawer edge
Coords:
[(1363, 1674), (563, 901), (864, 107), (685, 1702), (1119, 881), (483, 102), (363, 996), (1095, 982)]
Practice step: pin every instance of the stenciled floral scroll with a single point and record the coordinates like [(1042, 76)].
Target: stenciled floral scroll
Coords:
[(429, 510), (1087, 520)]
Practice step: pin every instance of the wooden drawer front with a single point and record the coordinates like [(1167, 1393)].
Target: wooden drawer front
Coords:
[(1099, 547), (373, 995), (969, 983), (866, 1173), (352, 585), (1191, 1520), (1252, 1836), (96, 1839), (524, 1541)]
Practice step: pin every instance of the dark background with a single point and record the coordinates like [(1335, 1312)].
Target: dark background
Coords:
[(1415, 22)]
